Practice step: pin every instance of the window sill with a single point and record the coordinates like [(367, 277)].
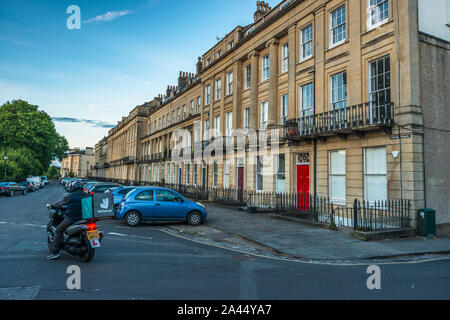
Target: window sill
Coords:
[(337, 44), (377, 26), (340, 202), (305, 59)]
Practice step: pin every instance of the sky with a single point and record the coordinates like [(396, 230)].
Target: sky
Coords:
[(124, 55)]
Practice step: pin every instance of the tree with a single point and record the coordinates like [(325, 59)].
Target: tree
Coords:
[(21, 163), (32, 133), (53, 173)]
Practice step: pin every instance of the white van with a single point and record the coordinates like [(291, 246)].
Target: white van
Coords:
[(36, 181)]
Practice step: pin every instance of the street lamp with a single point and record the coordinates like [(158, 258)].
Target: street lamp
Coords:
[(5, 157)]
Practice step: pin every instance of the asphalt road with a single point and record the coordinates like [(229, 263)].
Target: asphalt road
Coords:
[(147, 263)]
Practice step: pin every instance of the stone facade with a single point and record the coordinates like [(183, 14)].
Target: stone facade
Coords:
[(78, 162), (340, 83)]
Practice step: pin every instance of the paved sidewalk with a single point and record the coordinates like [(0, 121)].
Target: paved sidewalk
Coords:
[(314, 243)]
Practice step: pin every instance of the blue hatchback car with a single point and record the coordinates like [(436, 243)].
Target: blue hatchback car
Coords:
[(159, 204)]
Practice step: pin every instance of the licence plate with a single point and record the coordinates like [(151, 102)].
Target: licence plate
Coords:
[(93, 235)]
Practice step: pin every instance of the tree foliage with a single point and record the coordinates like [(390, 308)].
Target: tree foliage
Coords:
[(30, 138), (53, 173)]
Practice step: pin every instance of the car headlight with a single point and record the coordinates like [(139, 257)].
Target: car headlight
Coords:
[(201, 205)]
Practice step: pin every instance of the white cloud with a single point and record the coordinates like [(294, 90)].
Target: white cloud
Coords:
[(109, 16)]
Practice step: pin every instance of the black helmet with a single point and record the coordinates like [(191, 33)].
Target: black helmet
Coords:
[(77, 186)]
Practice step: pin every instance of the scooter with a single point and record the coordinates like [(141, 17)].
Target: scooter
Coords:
[(80, 239)]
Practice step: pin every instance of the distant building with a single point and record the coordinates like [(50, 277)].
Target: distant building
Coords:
[(78, 162)]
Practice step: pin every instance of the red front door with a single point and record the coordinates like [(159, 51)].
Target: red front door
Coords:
[(240, 183), (303, 187)]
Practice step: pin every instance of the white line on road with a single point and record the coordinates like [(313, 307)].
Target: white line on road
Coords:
[(117, 234)]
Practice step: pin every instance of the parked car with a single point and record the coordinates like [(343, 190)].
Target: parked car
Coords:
[(29, 186), (11, 189), (118, 194), (101, 187), (159, 204), (36, 180), (89, 185)]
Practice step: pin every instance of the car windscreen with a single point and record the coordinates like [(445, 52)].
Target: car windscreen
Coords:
[(124, 191), (128, 194), (101, 188)]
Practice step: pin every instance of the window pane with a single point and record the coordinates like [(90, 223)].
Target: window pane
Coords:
[(145, 196), (337, 162), (376, 161), (376, 188)]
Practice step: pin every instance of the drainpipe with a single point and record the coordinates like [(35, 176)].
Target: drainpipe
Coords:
[(314, 111)]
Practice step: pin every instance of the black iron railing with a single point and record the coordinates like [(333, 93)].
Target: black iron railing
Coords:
[(350, 118), (361, 215)]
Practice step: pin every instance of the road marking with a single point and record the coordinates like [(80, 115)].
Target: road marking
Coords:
[(117, 234)]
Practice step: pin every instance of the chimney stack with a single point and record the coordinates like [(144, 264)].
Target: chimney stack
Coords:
[(199, 65), (261, 9), (183, 79)]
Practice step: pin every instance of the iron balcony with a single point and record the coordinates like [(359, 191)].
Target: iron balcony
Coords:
[(355, 119)]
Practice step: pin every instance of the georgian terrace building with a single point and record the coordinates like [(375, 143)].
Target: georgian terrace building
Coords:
[(339, 81), (124, 147)]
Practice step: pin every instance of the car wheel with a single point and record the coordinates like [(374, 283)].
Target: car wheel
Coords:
[(24, 192), (194, 218), (11, 193), (133, 219)]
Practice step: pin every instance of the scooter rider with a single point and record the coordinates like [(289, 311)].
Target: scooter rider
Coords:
[(72, 214)]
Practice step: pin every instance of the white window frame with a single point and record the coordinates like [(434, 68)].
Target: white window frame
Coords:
[(199, 104), (230, 83), (335, 44), (264, 115), (381, 173), (331, 174), (206, 128), (302, 108), (208, 94), (280, 175), (303, 44), (217, 126), (191, 108), (229, 123), (226, 175), (248, 76), (284, 109), (344, 85), (246, 119), (218, 89), (265, 67), (195, 175), (376, 104), (371, 9), (285, 58)]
